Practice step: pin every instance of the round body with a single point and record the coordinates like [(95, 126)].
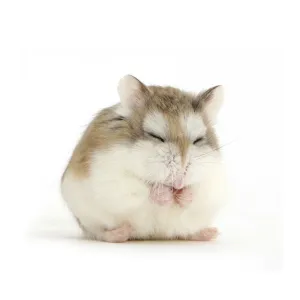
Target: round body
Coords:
[(149, 167)]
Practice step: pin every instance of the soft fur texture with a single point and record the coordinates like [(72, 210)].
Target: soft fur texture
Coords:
[(149, 167)]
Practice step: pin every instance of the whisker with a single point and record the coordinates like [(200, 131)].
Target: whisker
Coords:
[(215, 149)]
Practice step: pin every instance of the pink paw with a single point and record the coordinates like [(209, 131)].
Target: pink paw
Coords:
[(184, 197), (205, 235), (161, 194), (118, 235)]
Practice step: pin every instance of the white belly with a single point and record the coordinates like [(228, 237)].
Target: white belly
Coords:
[(106, 199)]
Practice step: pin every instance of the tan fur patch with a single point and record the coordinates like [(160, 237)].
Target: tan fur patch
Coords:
[(106, 129)]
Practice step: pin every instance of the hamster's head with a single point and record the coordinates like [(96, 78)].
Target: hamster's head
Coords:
[(172, 137)]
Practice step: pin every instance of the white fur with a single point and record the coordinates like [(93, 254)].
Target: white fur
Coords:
[(194, 126), (156, 123), (116, 191), (107, 199)]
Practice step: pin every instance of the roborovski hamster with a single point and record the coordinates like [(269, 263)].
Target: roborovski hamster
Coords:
[(149, 167)]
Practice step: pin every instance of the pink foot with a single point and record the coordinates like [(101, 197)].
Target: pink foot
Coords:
[(118, 235), (161, 194), (205, 235), (183, 197)]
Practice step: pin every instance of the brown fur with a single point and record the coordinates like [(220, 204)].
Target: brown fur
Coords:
[(108, 128)]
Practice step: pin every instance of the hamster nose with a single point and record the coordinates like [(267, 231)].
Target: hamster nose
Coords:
[(179, 182)]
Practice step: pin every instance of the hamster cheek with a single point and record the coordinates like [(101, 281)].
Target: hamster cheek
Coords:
[(202, 163), (148, 161)]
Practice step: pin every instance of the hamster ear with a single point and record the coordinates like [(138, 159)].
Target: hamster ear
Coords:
[(131, 91), (210, 102)]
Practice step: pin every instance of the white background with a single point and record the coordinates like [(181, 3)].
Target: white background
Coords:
[(60, 64)]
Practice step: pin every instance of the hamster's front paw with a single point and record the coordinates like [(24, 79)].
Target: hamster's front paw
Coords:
[(161, 195), (184, 196), (205, 235)]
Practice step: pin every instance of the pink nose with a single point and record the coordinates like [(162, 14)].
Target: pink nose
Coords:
[(179, 182)]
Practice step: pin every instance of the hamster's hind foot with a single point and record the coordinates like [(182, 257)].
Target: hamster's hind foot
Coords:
[(205, 235), (117, 235)]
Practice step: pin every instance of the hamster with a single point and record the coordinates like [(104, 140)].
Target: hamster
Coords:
[(149, 167)]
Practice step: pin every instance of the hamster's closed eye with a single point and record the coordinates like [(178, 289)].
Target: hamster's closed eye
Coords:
[(200, 139), (155, 136)]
